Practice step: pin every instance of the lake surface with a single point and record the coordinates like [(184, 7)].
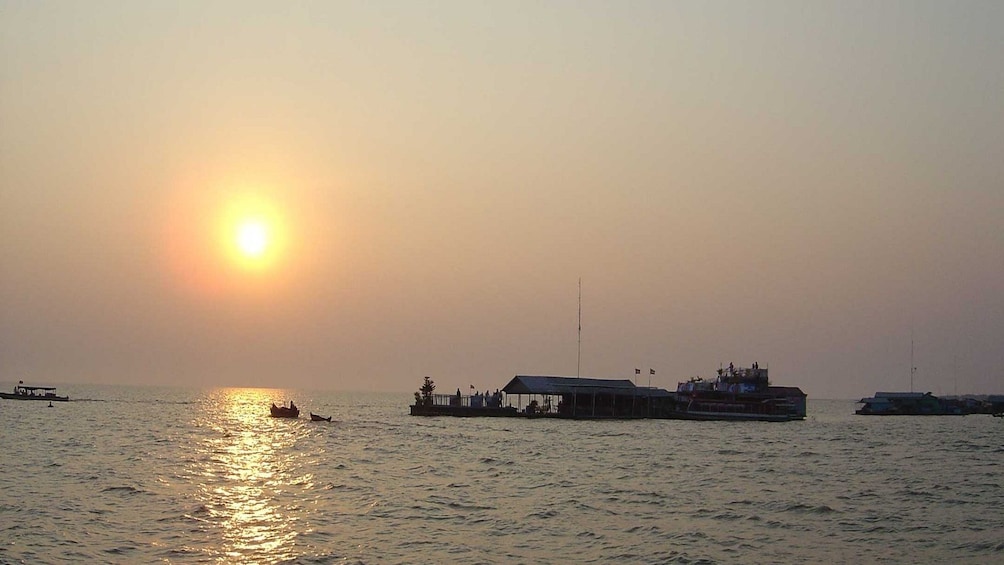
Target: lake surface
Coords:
[(131, 475)]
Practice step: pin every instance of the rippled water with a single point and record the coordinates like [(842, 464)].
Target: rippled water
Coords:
[(182, 476)]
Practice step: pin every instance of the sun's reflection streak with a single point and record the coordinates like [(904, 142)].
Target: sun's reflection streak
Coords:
[(247, 472)]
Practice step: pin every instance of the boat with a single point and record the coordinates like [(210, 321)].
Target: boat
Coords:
[(24, 392), (283, 412), (907, 404), (738, 393), (316, 418)]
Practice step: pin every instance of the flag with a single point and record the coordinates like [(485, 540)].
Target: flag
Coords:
[(651, 371), (472, 387), (637, 371)]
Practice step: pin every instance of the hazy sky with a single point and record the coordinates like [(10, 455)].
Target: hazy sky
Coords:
[(803, 184)]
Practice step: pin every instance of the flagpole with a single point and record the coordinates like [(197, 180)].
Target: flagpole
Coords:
[(650, 373)]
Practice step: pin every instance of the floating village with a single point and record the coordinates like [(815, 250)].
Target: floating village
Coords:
[(737, 393)]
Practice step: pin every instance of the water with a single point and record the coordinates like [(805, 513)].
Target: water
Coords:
[(197, 476)]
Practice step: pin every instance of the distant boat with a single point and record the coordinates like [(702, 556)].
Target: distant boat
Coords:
[(284, 412), (23, 392), (906, 404), (316, 418)]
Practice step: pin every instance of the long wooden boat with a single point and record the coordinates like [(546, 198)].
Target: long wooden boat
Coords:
[(316, 418), (23, 392)]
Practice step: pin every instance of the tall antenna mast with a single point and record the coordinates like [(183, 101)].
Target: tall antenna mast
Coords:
[(912, 368), (578, 356)]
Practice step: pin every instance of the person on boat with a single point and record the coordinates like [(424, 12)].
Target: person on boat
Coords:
[(291, 405)]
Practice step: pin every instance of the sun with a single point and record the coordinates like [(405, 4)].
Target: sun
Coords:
[(252, 237)]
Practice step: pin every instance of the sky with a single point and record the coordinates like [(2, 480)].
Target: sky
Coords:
[(421, 186)]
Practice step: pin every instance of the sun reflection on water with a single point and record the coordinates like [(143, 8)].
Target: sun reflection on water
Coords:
[(248, 467)]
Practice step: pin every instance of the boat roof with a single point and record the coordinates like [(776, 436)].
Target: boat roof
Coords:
[(888, 397), (531, 384), (901, 394), (788, 390), (26, 387), (874, 400)]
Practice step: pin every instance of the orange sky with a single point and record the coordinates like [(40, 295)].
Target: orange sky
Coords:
[(802, 186)]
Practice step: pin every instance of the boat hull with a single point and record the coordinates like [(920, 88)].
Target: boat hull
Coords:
[(870, 413), (728, 416), (281, 412), (739, 407), (53, 398)]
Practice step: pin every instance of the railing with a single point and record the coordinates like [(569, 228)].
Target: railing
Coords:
[(468, 401)]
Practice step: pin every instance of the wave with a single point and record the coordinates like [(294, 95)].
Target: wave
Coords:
[(808, 509), (124, 489)]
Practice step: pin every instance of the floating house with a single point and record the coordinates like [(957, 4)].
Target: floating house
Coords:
[(577, 397)]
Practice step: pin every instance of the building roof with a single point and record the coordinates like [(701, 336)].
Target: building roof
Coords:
[(527, 384)]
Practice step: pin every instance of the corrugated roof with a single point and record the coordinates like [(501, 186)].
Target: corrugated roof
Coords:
[(528, 384)]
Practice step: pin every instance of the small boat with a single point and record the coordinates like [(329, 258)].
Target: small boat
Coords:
[(316, 418), (22, 392), (283, 412)]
